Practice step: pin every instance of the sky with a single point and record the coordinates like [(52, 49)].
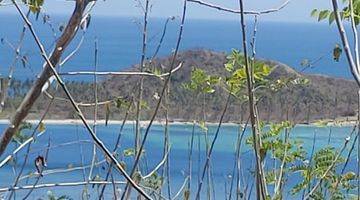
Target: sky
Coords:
[(295, 11)]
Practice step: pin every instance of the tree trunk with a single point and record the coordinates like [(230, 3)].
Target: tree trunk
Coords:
[(35, 91)]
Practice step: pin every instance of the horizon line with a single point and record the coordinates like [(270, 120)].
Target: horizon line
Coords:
[(99, 15)]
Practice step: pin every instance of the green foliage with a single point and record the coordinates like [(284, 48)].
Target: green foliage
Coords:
[(154, 181), (344, 13), (337, 52), (51, 196), (288, 83), (315, 170), (235, 61), (144, 105), (237, 79), (155, 70), (41, 127), (272, 142), (34, 5), (201, 82), (202, 125), (19, 136), (122, 103), (129, 152), (321, 123)]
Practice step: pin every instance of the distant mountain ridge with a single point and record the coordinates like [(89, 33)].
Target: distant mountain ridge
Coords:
[(323, 98)]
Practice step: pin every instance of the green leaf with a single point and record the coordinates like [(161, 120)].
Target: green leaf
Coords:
[(34, 5), (323, 14), (201, 82), (337, 52), (202, 125), (144, 104), (349, 176), (314, 13), (129, 152), (321, 123), (41, 127), (20, 136), (121, 102), (229, 67), (331, 17)]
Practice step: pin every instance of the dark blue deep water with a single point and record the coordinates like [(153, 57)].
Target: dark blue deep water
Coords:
[(120, 43)]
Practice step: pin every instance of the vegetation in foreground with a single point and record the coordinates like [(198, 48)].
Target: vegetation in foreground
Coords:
[(240, 88)]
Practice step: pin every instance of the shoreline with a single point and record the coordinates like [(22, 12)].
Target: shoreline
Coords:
[(162, 122), (110, 122)]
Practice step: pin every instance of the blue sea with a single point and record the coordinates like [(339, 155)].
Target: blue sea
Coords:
[(65, 154), (119, 41)]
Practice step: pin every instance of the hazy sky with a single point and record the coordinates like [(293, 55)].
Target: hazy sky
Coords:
[(296, 11)]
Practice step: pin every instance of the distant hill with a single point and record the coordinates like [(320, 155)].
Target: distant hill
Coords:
[(323, 98)]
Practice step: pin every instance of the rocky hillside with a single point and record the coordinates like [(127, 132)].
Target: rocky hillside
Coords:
[(323, 98)]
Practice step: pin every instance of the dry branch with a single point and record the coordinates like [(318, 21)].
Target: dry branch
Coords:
[(345, 43), (249, 12), (80, 4), (46, 185), (35, 90), (121, 73)]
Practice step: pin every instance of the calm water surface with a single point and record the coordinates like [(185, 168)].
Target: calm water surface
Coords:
[(64, 157)]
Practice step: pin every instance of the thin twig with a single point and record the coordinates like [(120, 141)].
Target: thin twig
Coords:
[(65, 184), (161, 38), (237, 162), (161, 163), (12, 66), (345, 42), (349, 154), (260, 176), (238, 11), (40, 172), (77, 109), (116, 146), (56, 171), (29, 145), (95, 110), (181, 188), (67, 58), (212, 146), (332, 165), (162, 92)]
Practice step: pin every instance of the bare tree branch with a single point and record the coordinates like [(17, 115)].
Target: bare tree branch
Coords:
[(345, 43), (80, 4), (35, 91), (122, 73), (250, 12), (68, 184), (332, 165), (261, 189), (167, 80)]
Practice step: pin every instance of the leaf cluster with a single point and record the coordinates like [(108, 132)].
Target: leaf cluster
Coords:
[(20, 135), (34, 5), (314, 170), (345, 13), (201, 82)]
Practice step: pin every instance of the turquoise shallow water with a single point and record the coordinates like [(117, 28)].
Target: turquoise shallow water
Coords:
[(60, 157)]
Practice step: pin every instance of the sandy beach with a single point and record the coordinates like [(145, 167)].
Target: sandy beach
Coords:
[(110, 122), (339, 122)]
